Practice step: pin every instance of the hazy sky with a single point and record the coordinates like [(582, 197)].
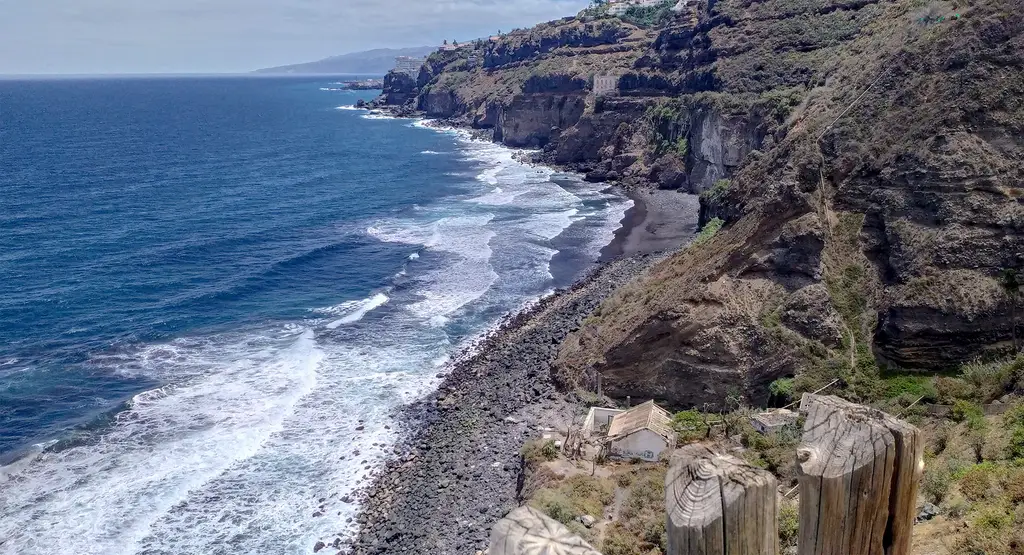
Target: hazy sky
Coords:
[(183, 36)]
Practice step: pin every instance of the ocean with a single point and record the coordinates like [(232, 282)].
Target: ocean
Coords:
[(216, 292)]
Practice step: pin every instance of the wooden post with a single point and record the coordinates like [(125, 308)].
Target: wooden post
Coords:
[(859, 473), (527, 531), (719, 505)]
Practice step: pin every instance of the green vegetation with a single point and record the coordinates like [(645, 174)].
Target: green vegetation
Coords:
[(710, 230), (537, 451), (574, 497), (789, 524), (682, 147), (782, 389), (1014, 423), (690, 426), (775, 453), (717, 191), (640, 529), (649, 16)]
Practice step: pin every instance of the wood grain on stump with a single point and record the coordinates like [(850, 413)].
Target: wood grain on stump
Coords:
[(527, 531), (859, 473), (719, 505)]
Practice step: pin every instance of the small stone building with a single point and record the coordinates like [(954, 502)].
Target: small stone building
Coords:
[(605, 85), (773, 421), (642, 432)]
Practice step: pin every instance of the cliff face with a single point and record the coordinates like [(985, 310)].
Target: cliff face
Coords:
[(877, 245), (864, 156), (399, 88)]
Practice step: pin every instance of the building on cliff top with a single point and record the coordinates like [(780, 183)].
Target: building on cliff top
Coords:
[(619, 7), (642, 432), (408, 65)]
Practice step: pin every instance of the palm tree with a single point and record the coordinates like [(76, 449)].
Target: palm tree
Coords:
[(1009, 279)]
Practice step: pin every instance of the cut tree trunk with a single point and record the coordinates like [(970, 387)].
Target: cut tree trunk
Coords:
[(859, 473), (527, 531), (719, 505)]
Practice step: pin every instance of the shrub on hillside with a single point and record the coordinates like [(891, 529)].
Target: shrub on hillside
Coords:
[(574, 497), (710, 230), (917, 387), (690, 426), (937, 481), (965, 411), (950, 390), (538, 451), (641, 526), (789, 525), (648, 16), (782, 389), (977, 481), (1014, 422), (993, 380)]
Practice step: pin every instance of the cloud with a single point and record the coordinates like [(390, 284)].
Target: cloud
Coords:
[(132, 36)]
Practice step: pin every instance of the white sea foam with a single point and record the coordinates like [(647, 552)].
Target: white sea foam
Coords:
[(353, 311), (469, 274), (549, 225), (431, 153), (350, 107), (377, 115), (231, 398), (497, 197)]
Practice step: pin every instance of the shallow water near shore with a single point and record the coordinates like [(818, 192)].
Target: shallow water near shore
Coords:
[(215, 293)]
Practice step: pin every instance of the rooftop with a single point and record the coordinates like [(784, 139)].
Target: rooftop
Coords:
[(646, 416), (778, 417)]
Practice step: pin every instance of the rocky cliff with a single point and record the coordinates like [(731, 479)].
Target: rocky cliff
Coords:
[(864, 157), (869, 234)]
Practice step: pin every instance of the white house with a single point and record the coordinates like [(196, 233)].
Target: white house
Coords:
[(620, 7), (408, 65), (605, 85), (642, 432)]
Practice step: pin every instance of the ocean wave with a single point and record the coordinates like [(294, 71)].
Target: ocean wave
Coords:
[(222, 406), (497, 197), (350, 107), (466, 278), (431, 153), (550, 225), (353, 311)]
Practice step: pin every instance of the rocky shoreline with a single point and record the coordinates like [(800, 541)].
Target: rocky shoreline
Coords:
[(458, 470)]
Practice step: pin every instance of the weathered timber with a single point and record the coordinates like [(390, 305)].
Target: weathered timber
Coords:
[(527, 531), (719, 505), (859, 473)]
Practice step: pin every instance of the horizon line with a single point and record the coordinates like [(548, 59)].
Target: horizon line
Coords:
[(254, 73)]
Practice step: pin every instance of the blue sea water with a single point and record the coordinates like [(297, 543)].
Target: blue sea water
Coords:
[(206, 285)]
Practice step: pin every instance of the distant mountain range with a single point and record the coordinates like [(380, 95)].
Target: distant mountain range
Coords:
[(370, 62)]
